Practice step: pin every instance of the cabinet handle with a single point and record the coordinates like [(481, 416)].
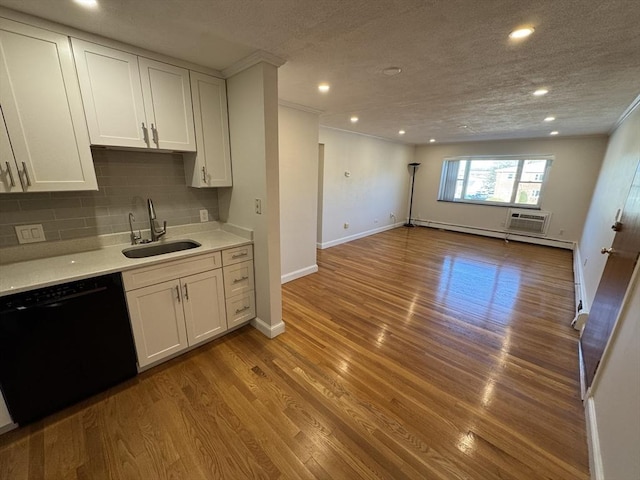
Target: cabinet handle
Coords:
[(204, 175), (239, 255), (243, 309), (238, 280), (154, 133), (26, 174), (186, 292), (178, 294), (13, 182), (145, 134)]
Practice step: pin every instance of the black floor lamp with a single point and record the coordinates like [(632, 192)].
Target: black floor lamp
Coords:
[(413, 181)]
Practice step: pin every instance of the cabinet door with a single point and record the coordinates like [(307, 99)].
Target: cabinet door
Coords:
[(167, 103), (157, 321), (43, 111), (112, 95), (211, 166), (204, 305), (9, 180)]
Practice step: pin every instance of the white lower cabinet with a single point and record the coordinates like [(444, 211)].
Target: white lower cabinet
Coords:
[(239, 285), (168, 316), (178, 304)]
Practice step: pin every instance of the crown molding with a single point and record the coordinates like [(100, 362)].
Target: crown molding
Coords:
[(297, 106), (625, 114), (259, 56)]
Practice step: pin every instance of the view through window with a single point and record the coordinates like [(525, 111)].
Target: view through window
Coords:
[(509, 181)]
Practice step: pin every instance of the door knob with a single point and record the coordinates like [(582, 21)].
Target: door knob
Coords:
[(606, 251)]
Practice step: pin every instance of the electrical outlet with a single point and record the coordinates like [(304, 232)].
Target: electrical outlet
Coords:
[(561, 232), (375, 220), (204, 215), (258, 206), (30, 233), (392, 215), (346, 225)]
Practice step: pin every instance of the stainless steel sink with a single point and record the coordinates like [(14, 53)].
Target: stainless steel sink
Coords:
[(151, 250)]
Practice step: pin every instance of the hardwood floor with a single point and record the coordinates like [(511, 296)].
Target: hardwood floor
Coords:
[(414, 353)]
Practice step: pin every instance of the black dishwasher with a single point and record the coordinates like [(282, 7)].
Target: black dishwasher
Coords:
[(64, 343)]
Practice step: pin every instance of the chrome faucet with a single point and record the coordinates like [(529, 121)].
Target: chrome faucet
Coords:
[(134, 238), (155, 234)]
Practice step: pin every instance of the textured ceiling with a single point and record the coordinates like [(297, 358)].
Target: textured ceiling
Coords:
[(459, 67)]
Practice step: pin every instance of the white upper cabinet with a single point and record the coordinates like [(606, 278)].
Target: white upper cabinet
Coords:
[(132, 101), (211, 166), (112, 95), (42, 110), (167, 103)]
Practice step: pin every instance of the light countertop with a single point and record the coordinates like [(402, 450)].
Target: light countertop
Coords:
[(27, 275)]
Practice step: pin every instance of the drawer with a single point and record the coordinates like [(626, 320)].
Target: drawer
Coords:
[(238, 279), (241, 308), (161, 272), (237, 255)]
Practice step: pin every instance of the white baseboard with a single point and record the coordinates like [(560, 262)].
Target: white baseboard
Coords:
[(593, 442), (298, 273), (578, 278), (502, 234), (270, 331), (350, 238)]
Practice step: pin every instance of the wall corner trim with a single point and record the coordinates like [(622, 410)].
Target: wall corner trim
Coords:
[(270, 331), (299, 273)]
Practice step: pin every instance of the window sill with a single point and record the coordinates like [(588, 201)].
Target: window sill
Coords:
[(494, 204)]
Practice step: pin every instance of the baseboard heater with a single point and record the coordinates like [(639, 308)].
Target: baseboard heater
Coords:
[(527, 221)]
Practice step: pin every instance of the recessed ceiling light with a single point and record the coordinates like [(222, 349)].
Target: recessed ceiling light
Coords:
[(391, 71), (521, 33), (354, 119), (401, 132), (540, 92), (549, 119), (555, 132), (87, 3), (324, 87), (432, 140)]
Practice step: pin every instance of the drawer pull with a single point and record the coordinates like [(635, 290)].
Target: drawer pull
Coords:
[(186, 292), (240, 255), (178, 293), (238, 280), (204, 175), (243, 309)]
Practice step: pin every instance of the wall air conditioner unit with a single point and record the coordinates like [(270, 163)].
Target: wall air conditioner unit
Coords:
[(528, 221)]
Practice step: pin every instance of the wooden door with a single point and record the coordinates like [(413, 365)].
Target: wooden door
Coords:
[(157, 321), (204, 306), (112, 95), (167, 103), (614, 282), (42, 108)]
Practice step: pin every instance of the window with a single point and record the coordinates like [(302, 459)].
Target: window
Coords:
[(516, 181)]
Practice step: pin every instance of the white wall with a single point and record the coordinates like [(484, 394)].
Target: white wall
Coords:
[(616, 395), (298, 136), (377, 186), (253, 124), (567, 194), (613, 405), (614, 182)]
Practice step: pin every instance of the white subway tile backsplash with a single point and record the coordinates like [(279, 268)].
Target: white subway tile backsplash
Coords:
[(125, 181)]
